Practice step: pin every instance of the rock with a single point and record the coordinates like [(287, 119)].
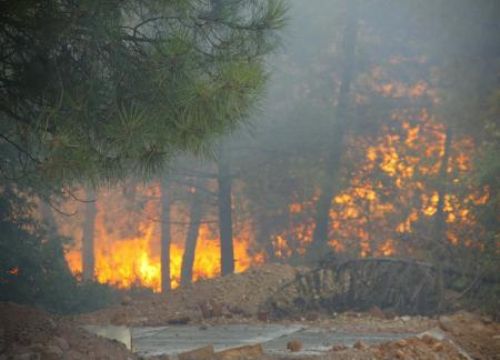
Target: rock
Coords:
[(294, 345), (247, 352), (401, 343), (400, 354), (203, 353), (428, 339), (376, 312), (405, 318), (438, 346), (360, 345), (445, 323)]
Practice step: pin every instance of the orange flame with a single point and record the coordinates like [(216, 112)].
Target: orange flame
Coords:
[(394, 190), (127, 244)]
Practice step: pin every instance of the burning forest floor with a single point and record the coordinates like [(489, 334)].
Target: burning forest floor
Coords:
[(236, 302)]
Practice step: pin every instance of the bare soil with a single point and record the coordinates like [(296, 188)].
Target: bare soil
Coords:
[(235, 298), (27, 333)]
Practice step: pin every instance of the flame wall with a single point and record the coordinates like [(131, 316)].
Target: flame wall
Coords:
[(127, 240)]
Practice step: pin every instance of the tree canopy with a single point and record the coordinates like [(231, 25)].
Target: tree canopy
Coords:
[(95, 90), (92, 91)]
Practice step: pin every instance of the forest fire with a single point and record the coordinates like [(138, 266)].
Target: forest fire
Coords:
[(275, 173), (127, 244), (388, 207), (393, 196)]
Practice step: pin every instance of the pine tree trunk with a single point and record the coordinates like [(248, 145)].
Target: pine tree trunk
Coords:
[(165, 237), (225, 215), (440, 221), (52, 234), (264, 234), (88, 261), (340, 128), (191, 239)]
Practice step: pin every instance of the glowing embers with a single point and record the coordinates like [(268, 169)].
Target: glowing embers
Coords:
[(14, 271), (10, 274)]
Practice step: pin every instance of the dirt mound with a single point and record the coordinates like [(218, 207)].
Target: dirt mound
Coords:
[(28, 333), (236, 297)]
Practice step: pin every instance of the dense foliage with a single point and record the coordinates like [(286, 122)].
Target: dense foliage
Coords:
[(92, 91), (32, 266)]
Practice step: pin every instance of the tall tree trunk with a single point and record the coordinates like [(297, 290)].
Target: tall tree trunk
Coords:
[(439, 238), (88, 261), (440, 221), (191, 239), (340, 128), (225, 214), (264, 234), (52, 235), (165, 237)]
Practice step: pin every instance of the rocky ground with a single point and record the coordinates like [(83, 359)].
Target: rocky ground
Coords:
[(27, 333), (30, 334)]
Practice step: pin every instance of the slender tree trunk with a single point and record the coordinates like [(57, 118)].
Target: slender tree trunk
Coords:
[(264, 235), (340, 128), (440, 221), (439, 237), (191, 239), (225, 215), (52, 235), (88, 261), (165, 237)]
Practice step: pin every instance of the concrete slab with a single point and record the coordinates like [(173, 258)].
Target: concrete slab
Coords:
[(119, 333), (172, 340)]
